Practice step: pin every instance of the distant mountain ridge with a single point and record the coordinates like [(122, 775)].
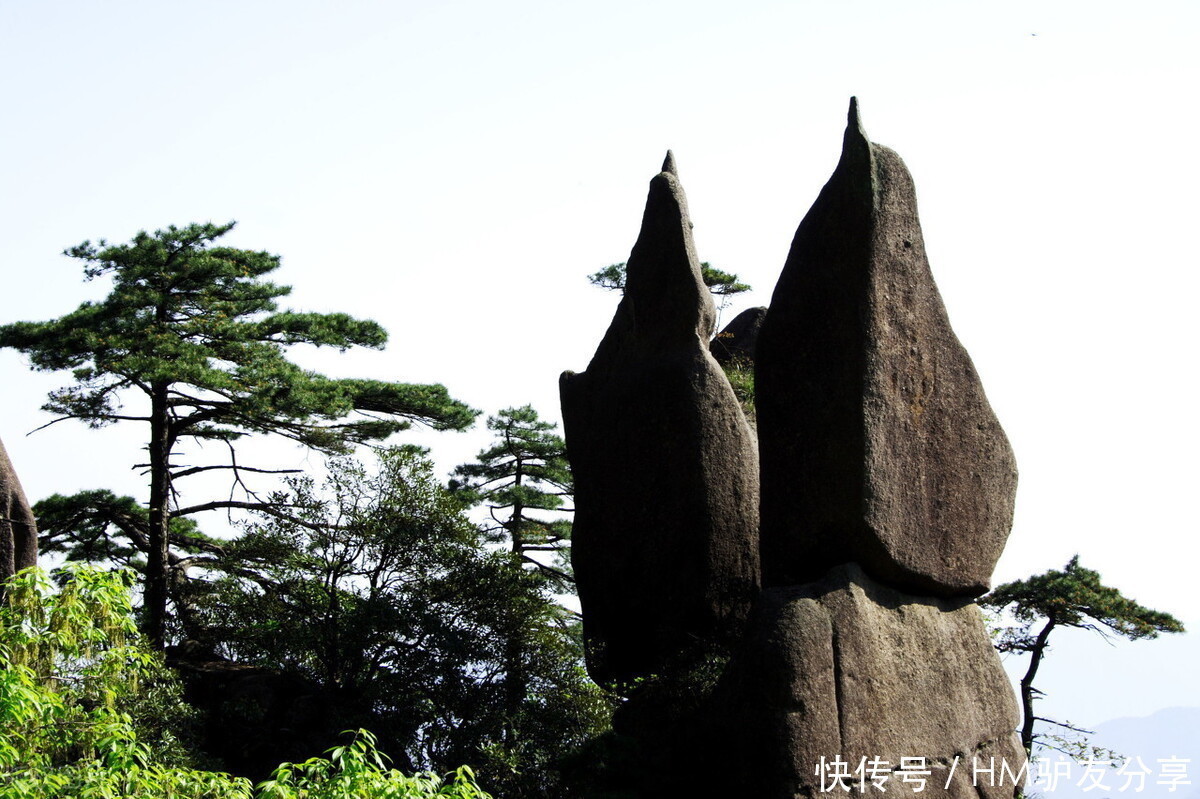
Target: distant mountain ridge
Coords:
[(1172, 732)]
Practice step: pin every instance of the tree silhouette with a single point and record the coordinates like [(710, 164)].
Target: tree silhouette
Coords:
[(1070, 597), (195, 330)]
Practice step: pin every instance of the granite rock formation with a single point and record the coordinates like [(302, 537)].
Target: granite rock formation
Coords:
[(882, 448), (18, 528), (736, 342), (665, 538), (848, 667), (887, 493)]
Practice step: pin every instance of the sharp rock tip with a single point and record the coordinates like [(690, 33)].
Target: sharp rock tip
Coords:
[(669, 164), (854, 119)]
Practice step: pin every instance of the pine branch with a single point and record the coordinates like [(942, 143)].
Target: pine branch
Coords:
[(269, 508), (197, 469)]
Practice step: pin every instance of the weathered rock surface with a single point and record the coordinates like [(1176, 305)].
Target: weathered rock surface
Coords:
[(848, 667), (878, 444), (18, 528), (664, 546), (737, 341)]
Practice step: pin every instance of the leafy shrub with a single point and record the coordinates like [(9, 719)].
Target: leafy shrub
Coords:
[(76, 675), (76, 670), (358, 770), (741, 378)]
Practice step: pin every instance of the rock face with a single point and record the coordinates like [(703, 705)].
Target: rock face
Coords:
[(664, 546), (737, 341), (18, 528), (878, 444), (852, 668)]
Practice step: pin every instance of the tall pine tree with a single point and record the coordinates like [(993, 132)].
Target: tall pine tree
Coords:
[(195, 330), (522, 477), (1070, 597)]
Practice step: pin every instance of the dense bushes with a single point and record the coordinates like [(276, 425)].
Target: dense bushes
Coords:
[(87, 710)]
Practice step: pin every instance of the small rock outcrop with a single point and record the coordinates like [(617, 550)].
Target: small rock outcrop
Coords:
[(665, 537), (736, 342), (878, 444), (18, 528)]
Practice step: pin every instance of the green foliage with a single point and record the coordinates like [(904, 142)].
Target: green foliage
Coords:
[(741, 378), (194, 330), (523, 478), (525, 469), (82, 698), (1073, 597), (380, 589), (99, 527), (201, 319), (74, 666), (722, 284), (359, 770), (126, 777), (1070, 597), (358, 571)]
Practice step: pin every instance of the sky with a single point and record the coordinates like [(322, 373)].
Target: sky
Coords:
[(454, 170)]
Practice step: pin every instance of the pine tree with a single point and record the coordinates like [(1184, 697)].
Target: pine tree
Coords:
[(524, 471), (1072, 597), (195, 330), (98, 527), (723, 285)]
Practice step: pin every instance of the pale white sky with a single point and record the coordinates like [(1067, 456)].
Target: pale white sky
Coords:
[(454, 170)]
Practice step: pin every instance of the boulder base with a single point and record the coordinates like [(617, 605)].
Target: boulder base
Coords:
[(849, 668)]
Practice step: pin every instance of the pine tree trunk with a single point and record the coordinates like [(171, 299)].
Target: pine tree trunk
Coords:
[(155, 596), (1027, 689), (514, 683)]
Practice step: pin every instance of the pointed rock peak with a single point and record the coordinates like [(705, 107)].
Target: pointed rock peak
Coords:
[(669, 164), (854, 126), (666, 304), (906, 470), (856, 147), (663, 272)]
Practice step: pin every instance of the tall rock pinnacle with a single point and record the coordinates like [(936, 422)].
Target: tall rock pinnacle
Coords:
[(878, 444), (665, 545)]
